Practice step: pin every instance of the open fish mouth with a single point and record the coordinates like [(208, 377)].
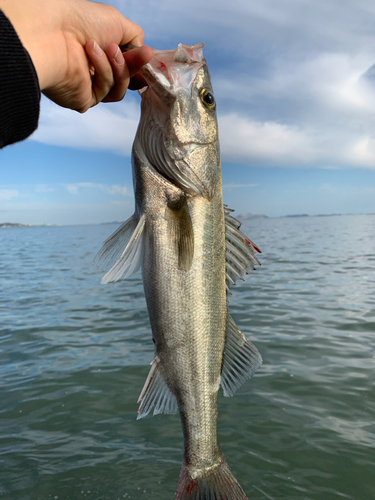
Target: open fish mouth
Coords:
[(170, 70)]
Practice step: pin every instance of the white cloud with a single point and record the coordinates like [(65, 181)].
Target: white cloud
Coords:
[(363, 152), (244, 28), (43, 188), (246, 140), (333, 79), (112, 190), (101, 128), (319, 112), (8, 194), (295, 81)]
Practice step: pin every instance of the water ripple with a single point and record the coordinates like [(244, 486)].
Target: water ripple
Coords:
[(74, 356)]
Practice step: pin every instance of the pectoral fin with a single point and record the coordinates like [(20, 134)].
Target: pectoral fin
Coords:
[(181, 231), (128, 242), (241, 359)]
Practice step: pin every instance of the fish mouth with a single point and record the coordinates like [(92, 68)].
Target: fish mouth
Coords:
[(170, 70)]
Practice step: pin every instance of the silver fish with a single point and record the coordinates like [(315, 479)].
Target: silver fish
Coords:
[(191, 250)]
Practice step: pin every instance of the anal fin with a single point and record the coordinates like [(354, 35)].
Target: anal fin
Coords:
[(156, 394), (241, 359)]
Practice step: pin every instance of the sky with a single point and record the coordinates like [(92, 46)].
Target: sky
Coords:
[(294, 82)]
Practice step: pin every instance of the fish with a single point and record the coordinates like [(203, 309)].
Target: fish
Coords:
[(191, 251)]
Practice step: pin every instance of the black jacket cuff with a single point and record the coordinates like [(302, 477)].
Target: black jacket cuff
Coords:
[(19, 87)]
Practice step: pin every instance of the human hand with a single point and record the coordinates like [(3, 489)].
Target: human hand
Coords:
[(74, 45)]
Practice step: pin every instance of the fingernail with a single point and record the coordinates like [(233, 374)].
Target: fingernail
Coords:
[(118, 57), (98, 51)]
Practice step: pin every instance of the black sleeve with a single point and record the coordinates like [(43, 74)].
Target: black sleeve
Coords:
[(19, 87)]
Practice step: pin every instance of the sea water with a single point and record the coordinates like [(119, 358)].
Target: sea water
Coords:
[(74, 356)]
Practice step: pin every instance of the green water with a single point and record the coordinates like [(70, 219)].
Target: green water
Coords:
[(74, 355)]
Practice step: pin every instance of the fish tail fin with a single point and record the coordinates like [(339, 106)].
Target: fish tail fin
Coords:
[(216, 482)]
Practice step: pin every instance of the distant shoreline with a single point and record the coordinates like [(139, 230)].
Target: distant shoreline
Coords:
[(18, 224), (241, 217), (248, 216)]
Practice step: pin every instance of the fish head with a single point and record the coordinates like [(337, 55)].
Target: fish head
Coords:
[(181, 140)]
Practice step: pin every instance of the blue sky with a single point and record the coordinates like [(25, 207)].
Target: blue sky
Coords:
[(295, 87)]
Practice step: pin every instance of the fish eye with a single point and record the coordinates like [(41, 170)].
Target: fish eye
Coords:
[(208, 99)]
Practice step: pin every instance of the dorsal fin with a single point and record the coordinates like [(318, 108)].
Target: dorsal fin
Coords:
[(240, 250)]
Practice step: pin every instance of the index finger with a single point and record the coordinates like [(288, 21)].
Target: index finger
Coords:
[(137, 58)]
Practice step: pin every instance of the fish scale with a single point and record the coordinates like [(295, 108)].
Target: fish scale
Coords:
[(190, 250)]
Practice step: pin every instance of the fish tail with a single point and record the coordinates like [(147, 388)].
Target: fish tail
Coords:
[(217, 483)]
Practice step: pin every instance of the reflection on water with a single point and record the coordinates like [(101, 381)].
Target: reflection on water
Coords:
[(74, 356)]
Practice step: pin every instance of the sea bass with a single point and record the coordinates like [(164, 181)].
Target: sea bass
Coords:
[(191, 250)]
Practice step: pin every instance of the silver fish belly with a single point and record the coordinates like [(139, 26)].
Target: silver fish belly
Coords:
[(191, 250)]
